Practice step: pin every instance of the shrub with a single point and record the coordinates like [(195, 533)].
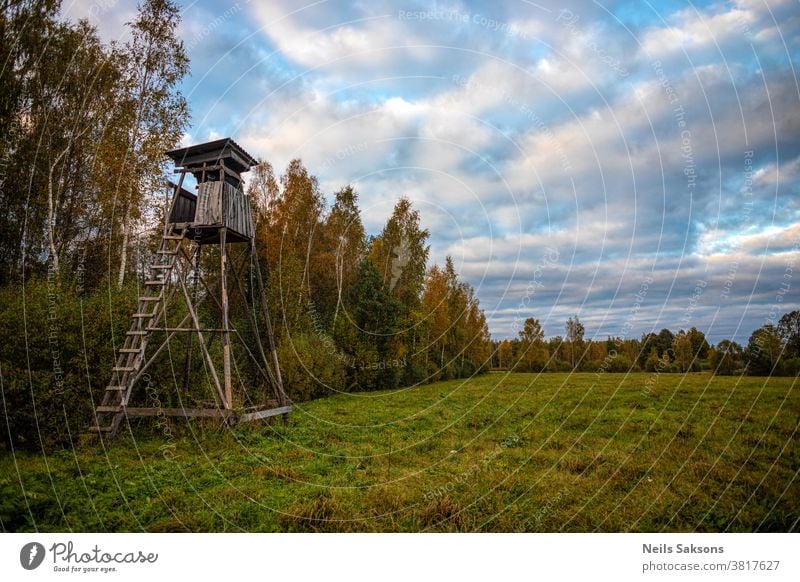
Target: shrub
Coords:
[(310, 366), (558, 366), (791, 367), (60, 359)]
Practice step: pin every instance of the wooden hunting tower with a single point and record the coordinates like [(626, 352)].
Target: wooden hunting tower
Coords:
[(219, 215)]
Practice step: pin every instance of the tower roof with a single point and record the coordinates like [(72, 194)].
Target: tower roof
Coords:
[(213, 152)]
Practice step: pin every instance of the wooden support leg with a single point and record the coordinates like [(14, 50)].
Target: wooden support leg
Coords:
[(283, 400), (187, 367), (226, 334)]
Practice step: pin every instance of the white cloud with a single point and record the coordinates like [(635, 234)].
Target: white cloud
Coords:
[(693, 29)]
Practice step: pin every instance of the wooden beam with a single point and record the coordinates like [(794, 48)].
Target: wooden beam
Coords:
[(182, 412), (265, 413), (226, 335), (188, 329), (192, 170), (201, 341)]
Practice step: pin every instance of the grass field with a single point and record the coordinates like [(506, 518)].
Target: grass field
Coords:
[(519, 452)]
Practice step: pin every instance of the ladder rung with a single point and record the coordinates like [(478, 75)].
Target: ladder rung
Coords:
[(99, 429), (162, 252), (130, 350), (109, 409), (172, 237), (149, 298), (167, 266), (122, 369), (155, 282), (115, 388), (143, 315), (135, 333)]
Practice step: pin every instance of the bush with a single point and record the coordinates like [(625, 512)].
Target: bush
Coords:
[(621, 363), (724, 363), (558, 366), (310, 366), (791, 367), (59, 360)]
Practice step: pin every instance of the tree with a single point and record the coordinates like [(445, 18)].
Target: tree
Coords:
[(367, 336), (455, 328), (664, 343), (531, 331), (56, 97), (154, 114), (646, 344), (653, 362), (346, 241), (400, 253), (700, 346), (575, 331), (789, 330), (263, 191), (437, 319), (726, 358), (505, 354), (764, 351), (533, 352), (682, 348), (290, 241)]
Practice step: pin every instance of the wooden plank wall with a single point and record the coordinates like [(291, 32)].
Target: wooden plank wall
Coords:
[(209, 204), (237, 212), (214, 197), (184, 208)]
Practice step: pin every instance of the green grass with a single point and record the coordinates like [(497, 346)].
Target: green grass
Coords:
[(520, 452)]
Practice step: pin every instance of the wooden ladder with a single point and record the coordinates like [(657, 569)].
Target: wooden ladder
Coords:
[(111, 410)]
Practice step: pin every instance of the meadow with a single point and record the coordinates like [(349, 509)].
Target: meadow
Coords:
[(496, 453)]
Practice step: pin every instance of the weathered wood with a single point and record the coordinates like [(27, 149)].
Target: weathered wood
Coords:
[(188, 329), (187, 364), (200, 340), (182, 412), (222, 205), (219, 214), (109, 408), (226, 335), (265, 413), (226, 169), (183, 207), (224, 150), (100, 428)]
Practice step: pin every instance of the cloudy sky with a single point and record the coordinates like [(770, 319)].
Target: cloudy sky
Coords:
[(634, 163)]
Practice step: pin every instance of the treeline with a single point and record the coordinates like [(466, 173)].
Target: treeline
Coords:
[(771, 350), (357, 312)]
